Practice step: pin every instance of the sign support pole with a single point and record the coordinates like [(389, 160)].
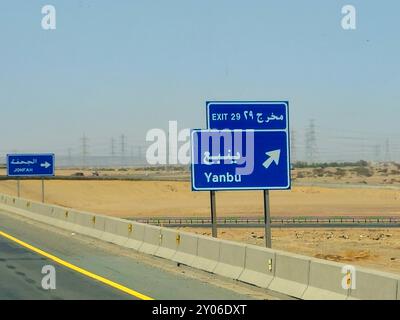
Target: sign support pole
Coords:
[(267, 220), (18, 188), (42, 190), (213, 214)]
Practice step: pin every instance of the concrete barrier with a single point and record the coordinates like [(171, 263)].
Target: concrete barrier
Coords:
[(32, 210), (123, 230), (231, 259), (111, 228), (168, 244), (259, 268), (398, 290), (136, 236), (374, 285), (63, 218), (20, 203), (151, 240), (5, 199), (291, 274), (99, 226), (41, 208), (207, 254), (187, 249), (85, 224), (43, 213), (21, 208), (325, 281)]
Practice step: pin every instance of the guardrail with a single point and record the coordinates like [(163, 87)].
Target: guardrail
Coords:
[(277, 222), (290, 274)]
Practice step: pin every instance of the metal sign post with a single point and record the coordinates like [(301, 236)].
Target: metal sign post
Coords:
[(18, 188), (42, 190), (213, 214), (267, 220)]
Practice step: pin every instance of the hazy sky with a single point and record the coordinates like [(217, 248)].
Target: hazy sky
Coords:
[(127, 66)]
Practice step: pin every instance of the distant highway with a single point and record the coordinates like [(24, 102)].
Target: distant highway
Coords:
[(90, 269), (279, 222)]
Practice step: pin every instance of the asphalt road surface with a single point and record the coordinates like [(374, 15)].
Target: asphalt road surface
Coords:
[(21, 269)]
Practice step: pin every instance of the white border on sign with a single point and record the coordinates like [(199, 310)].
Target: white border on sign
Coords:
[(193, 182)]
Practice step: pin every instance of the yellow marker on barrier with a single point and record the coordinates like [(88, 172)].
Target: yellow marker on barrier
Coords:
[(348, 279), (76, 268), (270, 265)]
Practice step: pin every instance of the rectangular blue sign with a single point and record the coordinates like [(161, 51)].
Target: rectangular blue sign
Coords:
[(240, 160), (257, 115), (30, 165)]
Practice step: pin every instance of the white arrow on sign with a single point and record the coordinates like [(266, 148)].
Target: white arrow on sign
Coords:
[(273, 156), (45, 165)]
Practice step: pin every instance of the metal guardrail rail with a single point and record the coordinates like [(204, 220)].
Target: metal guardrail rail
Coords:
[(277, 222)]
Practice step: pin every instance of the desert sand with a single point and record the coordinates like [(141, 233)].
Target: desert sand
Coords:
[(175, 198)]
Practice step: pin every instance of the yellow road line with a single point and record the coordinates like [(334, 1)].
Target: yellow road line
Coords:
[(76, 268)]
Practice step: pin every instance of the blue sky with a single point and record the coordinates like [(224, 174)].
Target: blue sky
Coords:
[(127, 66)]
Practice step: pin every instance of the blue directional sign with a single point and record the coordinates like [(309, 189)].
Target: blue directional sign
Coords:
[(30, 165), (240, 160), (258, 115)]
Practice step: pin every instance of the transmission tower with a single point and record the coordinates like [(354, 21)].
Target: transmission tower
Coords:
[(112, 147), (85, 148), (387, 151), (311, 143), (69, 152), (293, 146), (139, 155), (377, 153), (123, 148)]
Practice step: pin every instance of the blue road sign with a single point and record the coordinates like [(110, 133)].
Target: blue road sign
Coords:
[(240, 160), (30, 165), (258, 115)]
